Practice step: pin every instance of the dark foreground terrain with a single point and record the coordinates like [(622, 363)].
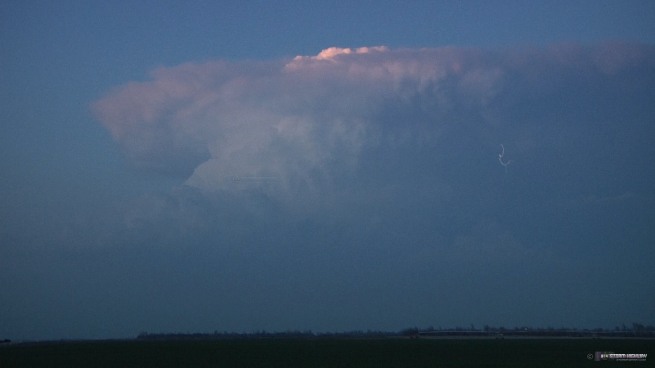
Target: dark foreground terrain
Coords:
[(378, 353)]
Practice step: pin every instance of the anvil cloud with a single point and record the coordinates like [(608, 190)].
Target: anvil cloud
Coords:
[(374, 173), (302, 125)]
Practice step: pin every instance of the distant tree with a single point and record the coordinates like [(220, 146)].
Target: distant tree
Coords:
[(637, 327), (410, 332)]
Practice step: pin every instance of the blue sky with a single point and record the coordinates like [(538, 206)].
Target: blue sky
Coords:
[(368, 192)]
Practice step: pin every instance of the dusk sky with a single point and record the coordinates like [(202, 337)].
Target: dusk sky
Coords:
[(201, 166)]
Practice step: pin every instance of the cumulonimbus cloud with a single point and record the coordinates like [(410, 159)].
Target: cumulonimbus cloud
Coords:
[(296, 124)]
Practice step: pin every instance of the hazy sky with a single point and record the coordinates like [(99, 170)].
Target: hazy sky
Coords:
[(176, 166)]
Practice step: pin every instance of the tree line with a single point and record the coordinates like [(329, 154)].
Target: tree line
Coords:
[(635, 330)]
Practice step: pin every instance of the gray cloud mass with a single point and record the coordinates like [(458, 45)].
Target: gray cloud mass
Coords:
[(318, 125), (380, 166), (361, 188)]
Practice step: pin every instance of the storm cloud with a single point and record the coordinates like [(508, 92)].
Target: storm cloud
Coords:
[(324, 123), (242, 166), (374, 173)]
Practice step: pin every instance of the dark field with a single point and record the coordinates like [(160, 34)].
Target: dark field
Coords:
[(287, 353)]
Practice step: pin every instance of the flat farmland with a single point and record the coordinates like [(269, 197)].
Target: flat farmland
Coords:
[(387, 352)]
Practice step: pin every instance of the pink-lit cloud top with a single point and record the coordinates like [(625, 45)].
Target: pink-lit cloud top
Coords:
[(307, 120)]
